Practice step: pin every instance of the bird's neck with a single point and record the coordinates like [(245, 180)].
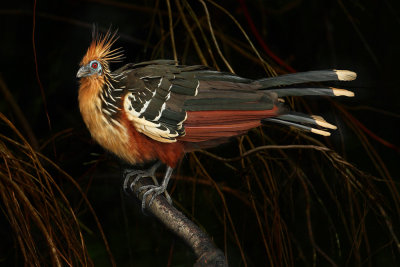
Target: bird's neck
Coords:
[(111, 136), (89, 97)]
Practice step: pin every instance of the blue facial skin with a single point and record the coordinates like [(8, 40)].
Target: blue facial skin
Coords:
[(94, 67)]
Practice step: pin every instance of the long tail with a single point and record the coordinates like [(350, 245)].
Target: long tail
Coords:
[(304, 122), (282, 86), (306, 77)]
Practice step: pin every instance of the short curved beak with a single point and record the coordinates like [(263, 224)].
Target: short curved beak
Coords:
[(82, 72)]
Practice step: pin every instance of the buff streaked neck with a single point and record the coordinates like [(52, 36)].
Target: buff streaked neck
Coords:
[(91, 85), (89, 95), (109, 136)]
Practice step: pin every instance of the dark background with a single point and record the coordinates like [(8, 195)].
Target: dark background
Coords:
[(362, 36)]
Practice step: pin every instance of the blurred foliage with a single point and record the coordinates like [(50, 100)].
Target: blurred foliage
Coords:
[(275, 197)]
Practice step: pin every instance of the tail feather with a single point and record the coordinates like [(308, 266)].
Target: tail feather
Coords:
[(222, 96), (329, 91), (303, 118), (299, 126), (281, 85), (306, 77)]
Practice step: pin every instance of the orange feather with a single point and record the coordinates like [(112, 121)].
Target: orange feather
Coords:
[(123, 141), (100, 49)]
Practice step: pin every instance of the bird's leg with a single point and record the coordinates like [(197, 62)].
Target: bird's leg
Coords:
[(156, 190), (131, 177)]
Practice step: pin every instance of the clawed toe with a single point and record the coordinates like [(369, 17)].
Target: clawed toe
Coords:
[(152, 190), (131, 177)]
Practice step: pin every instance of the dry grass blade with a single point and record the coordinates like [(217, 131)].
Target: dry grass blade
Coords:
[(34, 203), (214, 38), (198, 23), (18, 112), (359, 33), (191, 34), (267, 147), (171, 30), (268, 69), (374, 156), (225, 207)]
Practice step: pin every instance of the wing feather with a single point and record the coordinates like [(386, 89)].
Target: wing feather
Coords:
[(159, 94)]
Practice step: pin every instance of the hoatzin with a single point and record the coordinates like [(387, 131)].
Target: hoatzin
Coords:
[(158, 110)]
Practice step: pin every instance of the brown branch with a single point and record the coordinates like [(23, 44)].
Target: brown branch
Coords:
[(206, 252)]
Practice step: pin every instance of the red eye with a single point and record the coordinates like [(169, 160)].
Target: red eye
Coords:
[(94, 65)]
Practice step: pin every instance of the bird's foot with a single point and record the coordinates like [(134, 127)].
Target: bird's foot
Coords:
[(131, 177), (153, 191)]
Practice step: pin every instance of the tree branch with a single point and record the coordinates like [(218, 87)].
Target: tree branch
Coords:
[(206, 252)]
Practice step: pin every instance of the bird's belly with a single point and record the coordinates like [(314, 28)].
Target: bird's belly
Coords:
[(108, 132), (113, 137)]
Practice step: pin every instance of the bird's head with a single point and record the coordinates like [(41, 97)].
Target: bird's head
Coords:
[(95, 63)]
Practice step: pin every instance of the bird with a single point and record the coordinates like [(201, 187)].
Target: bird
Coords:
[(158, 110)]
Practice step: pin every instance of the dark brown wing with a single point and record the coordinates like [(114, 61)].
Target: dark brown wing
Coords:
[(159, 94), (168, 102)]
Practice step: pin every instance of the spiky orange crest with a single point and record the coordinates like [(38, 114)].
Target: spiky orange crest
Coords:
[(100, 50)]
